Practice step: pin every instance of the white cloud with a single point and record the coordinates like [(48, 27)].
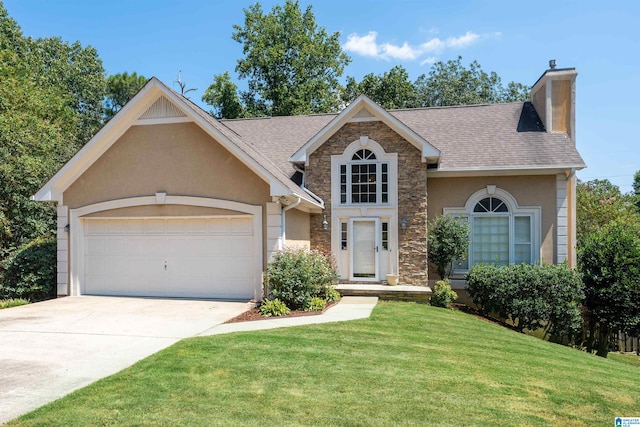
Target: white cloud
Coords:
[(430, 60), (367, 45), (362, 45), (434, 45), (400, 52), (463, 41)]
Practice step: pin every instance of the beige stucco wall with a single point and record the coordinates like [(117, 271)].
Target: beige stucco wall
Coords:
[(298, 229), (179, 159), (527, 190)]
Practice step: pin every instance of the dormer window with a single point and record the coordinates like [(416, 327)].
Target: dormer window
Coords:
[(364, 180)]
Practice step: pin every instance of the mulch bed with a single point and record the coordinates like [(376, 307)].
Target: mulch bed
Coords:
[(254, 314)]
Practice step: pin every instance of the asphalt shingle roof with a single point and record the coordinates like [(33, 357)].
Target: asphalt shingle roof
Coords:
[(492, 136)]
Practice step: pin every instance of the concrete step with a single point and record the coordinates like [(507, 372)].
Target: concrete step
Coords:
[(386, 292)]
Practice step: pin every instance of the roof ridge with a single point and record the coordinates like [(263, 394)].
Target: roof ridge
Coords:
[(445, 107)]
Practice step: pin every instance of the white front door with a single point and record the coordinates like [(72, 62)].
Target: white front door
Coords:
[(365, 249)]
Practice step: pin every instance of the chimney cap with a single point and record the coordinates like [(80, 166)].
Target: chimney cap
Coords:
[(552, 64)]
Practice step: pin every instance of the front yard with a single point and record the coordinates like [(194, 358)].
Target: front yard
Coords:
[(409, 364)]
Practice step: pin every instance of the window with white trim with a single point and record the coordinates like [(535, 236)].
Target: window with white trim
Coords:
[(364, 180), (343, 236), (501, 232)]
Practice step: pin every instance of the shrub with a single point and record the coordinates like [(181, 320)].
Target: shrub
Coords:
[(12, 303), (274, 308), (30, 272), (530, 296), (610, 263), (443, 295), (295, 276), (448, 239), (316, 304), (333, 295)]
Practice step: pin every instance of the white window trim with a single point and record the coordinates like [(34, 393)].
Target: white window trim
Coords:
[(534, 212), (381, 157), (363, 210)]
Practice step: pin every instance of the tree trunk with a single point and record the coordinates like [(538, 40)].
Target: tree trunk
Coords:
[(603, 341)]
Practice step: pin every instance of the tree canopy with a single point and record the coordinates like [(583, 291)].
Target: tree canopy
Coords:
[(121, 88), (448, 83), (599, 202), (50, 104), (391, 90), (292, 65)]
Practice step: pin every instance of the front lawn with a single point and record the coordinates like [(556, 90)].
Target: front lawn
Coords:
[(409, 364)]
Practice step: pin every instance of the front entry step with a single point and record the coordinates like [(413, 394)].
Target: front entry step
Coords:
[(386, 292)]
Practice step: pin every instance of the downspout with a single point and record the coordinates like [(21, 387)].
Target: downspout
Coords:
[(572, 255), (283, 222)]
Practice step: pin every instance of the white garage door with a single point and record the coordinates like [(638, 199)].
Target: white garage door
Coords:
[(200, 258)]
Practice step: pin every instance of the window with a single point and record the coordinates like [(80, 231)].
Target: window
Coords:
[(364, 179), (385, 236), (501, 232), (343, 236)]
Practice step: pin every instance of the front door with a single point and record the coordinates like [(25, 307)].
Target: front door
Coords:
[(365, 249)]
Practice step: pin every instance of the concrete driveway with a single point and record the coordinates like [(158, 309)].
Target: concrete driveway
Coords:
[(51, 348)]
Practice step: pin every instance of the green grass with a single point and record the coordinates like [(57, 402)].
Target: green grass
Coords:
[(408, 364), (8, 303)]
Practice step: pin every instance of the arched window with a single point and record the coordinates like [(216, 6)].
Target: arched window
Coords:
[(364, 179), (501, 232)]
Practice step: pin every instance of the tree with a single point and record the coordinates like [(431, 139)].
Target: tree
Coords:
[(222, 95), (448, 239), (391, 90), (48, 95), (599, 202), (121, 88), (636, 188), (610, 264), (291, 64), (78, 72), (451, 83)]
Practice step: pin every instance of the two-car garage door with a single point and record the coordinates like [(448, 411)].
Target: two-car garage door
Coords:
[(170, 257)]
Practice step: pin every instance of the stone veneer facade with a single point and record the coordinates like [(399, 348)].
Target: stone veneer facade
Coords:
[(412, 193)]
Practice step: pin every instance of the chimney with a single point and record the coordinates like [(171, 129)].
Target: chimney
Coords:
[(554, 98)]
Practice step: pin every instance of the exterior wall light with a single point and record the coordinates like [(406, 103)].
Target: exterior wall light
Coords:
[(67, 228), (325, 224), (403, 223)]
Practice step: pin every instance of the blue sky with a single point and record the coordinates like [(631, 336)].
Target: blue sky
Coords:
[(515, 39)]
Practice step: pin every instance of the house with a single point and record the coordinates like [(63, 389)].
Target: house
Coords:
[(165, 200)]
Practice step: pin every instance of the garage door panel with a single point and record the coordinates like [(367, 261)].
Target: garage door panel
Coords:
[(95, 264), (95, 246), (241, 226), (203, 257)]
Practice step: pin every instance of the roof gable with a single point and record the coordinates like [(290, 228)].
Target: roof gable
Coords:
[(156, 103), (364, 109)]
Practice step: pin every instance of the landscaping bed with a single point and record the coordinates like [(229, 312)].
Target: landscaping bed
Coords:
[(254, 314)]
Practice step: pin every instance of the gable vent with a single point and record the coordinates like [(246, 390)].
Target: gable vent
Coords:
[(162, 109)]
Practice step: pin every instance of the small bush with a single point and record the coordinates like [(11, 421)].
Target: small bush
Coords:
[(316, 304), (333, 295), (12, 303), (30, 272), (443, 295), (295, 276), (448, 239), (530, 296), (274, 308)]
